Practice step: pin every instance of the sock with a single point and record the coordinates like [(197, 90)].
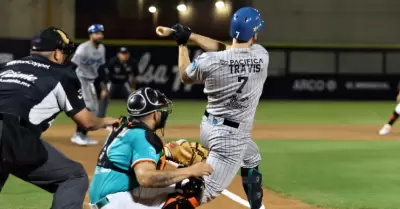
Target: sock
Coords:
[(395, 115), (393, 118), (81, 130)]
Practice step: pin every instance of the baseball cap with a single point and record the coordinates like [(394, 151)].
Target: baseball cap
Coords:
[(123, 50), (51, 39)]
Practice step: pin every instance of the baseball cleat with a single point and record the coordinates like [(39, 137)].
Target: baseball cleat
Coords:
[(386, 129), (109, 129), (90, 141), (82, 140)]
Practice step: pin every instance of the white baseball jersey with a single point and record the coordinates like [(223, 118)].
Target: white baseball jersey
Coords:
[(233, 79), (89, 59)]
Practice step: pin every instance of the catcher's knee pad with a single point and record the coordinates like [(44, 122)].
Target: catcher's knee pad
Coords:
[(252, 179)]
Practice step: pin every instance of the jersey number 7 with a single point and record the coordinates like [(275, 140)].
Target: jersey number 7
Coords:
[(240, 79)]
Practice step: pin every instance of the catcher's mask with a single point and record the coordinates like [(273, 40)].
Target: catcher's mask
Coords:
[(147, 100), (52, 39)]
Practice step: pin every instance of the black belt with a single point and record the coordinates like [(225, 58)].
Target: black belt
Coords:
[(226, 122)]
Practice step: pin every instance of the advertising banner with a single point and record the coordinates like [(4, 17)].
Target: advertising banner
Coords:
[(157, 66)]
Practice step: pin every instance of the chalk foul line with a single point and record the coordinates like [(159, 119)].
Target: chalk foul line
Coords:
[(238, 199)]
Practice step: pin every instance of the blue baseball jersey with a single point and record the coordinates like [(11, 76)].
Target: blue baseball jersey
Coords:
[(128, 148)]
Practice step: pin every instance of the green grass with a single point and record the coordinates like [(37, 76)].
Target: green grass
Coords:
[(17, 194), (280, 112), (334, 174)]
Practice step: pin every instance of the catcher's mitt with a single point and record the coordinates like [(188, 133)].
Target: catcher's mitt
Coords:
[(185, 153)]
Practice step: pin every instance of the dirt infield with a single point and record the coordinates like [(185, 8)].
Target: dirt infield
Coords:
[(59, 136)]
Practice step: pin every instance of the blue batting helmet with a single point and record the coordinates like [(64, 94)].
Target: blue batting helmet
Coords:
[(95, 28), (245, 23)]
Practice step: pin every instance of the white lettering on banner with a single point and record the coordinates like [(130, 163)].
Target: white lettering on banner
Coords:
[(159, 74), (176, 85), (313, 85), (149, 73), (370, 85), (28, 62)]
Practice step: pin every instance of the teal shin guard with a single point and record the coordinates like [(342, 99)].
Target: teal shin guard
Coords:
[(252, 179)]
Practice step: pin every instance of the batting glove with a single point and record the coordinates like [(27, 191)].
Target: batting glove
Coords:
[(181, 33)]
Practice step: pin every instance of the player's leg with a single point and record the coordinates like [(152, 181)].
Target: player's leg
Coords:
[(226, 151), (3, 169), (251, 176), (126, 90), (104, 101), (3, 178), (387, 128), (124, 200), (65, 178), (91, 102)]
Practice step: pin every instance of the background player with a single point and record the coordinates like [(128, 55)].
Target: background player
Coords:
[(234, 80), (387, 128), (133, 158), (120, 77), (89, 56)]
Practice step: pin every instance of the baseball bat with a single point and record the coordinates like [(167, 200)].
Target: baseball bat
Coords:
[(163, 31)]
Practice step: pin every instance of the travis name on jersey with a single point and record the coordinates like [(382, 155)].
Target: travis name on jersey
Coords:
[(243, 65)]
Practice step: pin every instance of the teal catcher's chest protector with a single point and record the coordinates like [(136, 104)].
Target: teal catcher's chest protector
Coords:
[(103, 160)]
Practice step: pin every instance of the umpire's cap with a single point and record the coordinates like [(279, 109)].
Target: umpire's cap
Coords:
[(147, 100), (245, 23), (51, 39)]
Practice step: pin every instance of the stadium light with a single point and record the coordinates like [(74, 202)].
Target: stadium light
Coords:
[(181, 7), (219, 4), (152, 9)]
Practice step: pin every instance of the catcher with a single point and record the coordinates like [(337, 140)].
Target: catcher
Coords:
[(136, 170)]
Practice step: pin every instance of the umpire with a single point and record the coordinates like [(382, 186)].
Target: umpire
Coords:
[(120, 77), (33, 90)]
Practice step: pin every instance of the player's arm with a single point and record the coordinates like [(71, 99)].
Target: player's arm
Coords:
[(79, 56), (70, 100), (195, 71), (149, 177), (208, 44), (183, 63), (144, 160), (183, 34)]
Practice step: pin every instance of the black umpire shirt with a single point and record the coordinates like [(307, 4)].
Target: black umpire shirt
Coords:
[(36, 90), (118, 72)]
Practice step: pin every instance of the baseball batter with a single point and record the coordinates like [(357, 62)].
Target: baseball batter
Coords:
[(234, 77), (131, 173), (89, 56)]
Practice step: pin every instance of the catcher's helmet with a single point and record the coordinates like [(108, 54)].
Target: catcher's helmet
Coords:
[(95, 28), (245, 23), (147, 100)]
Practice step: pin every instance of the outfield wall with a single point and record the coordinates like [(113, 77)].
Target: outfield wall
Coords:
[(295, 72)]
